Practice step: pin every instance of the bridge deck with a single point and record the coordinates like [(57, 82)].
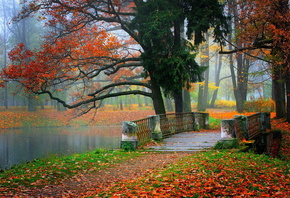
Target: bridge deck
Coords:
[(189, 141)]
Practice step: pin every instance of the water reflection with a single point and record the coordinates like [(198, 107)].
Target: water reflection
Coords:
[(22, 145)]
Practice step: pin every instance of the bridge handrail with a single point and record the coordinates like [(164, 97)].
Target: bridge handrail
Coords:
[(246, 127)]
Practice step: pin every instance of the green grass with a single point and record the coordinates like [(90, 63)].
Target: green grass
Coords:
[(214, 123), (51, 170)]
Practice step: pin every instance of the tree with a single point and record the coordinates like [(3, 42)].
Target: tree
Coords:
[(203, 88), (27, 31), (164, 57), (264, 26)]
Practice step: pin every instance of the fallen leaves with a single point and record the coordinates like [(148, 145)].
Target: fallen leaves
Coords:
[(280, 124), (212, 174)]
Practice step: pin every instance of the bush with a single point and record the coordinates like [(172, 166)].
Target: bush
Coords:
[(227, 144), (128, 146), (260, 105)]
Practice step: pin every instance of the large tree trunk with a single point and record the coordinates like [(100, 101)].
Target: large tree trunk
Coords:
[(203, 89), (178, 29), (178, 100), (242, 82), (157, 99), (279, 93), (186, 101)]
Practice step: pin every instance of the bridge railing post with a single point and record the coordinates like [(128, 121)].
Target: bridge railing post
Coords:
[(196, 126), (241, 127), (265, 121), (205, 120), (228, 128), (154, 125)]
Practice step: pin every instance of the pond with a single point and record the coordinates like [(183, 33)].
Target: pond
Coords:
[(26, 144)]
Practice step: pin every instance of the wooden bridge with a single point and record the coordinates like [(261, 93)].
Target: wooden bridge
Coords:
[(158, 127)]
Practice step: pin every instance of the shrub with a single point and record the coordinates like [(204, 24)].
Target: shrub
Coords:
[(227, 144), (260, 105), (128, 146)]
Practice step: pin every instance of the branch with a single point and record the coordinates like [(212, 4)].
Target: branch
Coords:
[(245, 49), (78, 104), (119, 84), (237, 49)]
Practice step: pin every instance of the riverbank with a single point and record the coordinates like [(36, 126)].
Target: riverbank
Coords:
[(19, 118), (152, 174)]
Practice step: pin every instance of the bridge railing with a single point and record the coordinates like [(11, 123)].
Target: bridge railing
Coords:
[(141, 131), (246, 127)]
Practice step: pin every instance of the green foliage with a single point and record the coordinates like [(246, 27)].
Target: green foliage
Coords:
[(175, 71), (203, 15), (167, 57), (128, 146), (227, 144)]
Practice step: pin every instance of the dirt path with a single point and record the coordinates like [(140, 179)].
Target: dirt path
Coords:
[(86, 184)]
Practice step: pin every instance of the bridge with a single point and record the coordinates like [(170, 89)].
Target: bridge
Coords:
[(181, 131)]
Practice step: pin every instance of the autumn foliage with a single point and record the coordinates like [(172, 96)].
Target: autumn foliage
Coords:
[(212, 174), (65, 58), (264, 24)]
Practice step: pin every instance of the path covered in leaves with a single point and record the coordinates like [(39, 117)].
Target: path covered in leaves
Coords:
[(83, 185)]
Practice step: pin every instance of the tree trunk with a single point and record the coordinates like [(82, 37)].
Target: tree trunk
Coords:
[(186, 101), (157, 97), (217, 80), (242, 82), (279, 93), (31, 103), (121, 104), (178, 100), (287, 79), (178, 29), (169, 106), (203, 89)]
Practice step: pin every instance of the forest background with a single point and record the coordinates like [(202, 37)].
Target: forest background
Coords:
[(89, 55)]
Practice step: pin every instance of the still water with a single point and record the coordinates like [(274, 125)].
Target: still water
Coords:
[(23, 145)]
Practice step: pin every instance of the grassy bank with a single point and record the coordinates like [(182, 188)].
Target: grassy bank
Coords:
[(211, 174), (52, 170)]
